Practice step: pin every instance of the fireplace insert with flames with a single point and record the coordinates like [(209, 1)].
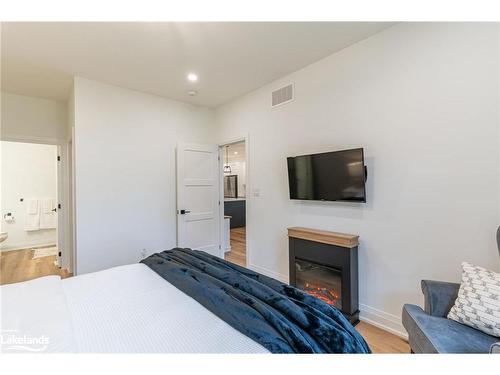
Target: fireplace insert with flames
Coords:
[(320, 281)]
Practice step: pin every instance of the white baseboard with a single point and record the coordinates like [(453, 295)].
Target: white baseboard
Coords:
[(388, 322), (268, 272)]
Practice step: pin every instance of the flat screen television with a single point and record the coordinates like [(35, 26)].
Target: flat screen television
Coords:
[(329, 176)]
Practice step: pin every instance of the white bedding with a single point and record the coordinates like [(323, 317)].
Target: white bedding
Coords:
[(127, 309)]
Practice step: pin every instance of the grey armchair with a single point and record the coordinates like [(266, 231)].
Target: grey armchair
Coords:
[(429, 331)]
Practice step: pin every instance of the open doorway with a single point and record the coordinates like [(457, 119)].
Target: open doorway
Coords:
[(29, 223), (233, 164)]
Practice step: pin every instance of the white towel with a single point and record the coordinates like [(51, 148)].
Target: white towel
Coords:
[(48, 217), (48, 205), (32, 206), (32, 215)]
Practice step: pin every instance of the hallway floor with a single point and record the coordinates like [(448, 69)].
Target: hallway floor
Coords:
[(19, 265), (237, 254)]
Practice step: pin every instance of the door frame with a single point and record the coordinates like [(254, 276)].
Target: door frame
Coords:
[(63, 186), (70, 201), (220, 147)]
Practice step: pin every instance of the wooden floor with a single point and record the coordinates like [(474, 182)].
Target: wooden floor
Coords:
[(18, 265), (381, 341), (238, 253)]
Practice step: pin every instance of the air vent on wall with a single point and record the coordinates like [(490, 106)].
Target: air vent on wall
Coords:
[(282, 95)]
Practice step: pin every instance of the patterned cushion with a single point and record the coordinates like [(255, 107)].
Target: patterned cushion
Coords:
[(478, 301)]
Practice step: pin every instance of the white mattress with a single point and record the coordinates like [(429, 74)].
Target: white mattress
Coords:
[(127, 309)]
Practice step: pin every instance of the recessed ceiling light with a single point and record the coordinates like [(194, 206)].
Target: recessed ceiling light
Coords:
[(192, 92), (192, 77), (236, 152)]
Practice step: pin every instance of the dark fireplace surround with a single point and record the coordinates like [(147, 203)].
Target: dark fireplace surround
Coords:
[(325, 264)]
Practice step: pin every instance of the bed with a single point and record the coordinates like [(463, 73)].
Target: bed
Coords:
[(130, 309)]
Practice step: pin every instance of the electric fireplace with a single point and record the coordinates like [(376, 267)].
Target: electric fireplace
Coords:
[(325, 265)]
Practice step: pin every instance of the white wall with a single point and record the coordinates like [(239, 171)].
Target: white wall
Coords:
[(28, 171), (25, 117), (422, 100), (125, 171)]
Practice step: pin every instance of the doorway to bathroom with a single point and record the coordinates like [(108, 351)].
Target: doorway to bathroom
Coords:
[(30, 200), (233, 169)]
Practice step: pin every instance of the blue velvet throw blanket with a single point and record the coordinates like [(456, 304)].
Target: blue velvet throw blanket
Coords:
[(280, 317)]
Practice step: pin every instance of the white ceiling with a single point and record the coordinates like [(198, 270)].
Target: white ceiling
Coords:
[(231, 59)]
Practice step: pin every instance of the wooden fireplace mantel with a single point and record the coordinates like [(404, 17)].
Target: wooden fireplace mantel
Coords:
[(332, 238)]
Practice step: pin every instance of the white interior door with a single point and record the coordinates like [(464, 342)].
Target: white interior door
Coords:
[(198, 198)]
